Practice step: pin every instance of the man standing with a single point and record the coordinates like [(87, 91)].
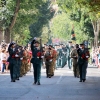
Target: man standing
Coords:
[(83, 54), (49, 62), (74, 55), (36, 60), (14, 62), (69, 62)]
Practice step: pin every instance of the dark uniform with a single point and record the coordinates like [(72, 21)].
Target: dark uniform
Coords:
[(36, 61), (83, 62), (68, 57), (14, 63)]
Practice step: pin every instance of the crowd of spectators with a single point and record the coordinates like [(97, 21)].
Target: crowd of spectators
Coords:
[(95, 57)]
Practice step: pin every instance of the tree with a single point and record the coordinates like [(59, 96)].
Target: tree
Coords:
[(11, 12), (46, 14), (79, 13)]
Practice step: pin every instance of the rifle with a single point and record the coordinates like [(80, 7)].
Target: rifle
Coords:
[(41, 48)]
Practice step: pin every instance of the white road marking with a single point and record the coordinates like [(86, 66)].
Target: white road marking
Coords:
[(59, 79)]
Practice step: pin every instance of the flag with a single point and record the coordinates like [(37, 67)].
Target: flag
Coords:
[(73, 35)]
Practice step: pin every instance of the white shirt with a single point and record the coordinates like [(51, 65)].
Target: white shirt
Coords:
[(3, 56)]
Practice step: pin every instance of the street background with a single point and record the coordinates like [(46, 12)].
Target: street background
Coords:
[(63, 86)]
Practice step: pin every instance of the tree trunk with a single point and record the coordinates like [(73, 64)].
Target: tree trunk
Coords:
[(96, 27), (13, 20), (7, 35)]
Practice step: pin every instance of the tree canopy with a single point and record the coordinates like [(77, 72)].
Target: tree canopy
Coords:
[(24, 19)]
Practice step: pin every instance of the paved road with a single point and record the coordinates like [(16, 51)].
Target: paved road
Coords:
[(63, 86)]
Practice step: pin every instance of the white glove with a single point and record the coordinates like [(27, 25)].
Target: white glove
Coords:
[(19, 50), (21, 58), (87, 56), (42, 56), (50, 60), (16, 55)]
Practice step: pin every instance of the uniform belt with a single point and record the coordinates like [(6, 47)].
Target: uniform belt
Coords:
[(16, 57)]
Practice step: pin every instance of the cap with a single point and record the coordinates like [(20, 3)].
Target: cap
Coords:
[(37, 42), (69, 41), (77, 46), (12, 43), (82, 44), (50, 46)]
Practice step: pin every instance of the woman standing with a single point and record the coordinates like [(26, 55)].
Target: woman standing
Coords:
[(3, 58)]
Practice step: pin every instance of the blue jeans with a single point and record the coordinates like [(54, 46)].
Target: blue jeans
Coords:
[(3, 67)]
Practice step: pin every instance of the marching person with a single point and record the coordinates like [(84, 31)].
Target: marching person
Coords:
[(49, 62), (14, 62), (54, 57), (11, 50), (83, 54), (74, 56), (36, 60)]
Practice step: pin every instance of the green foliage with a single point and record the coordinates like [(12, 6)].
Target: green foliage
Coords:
[(77, 11), (46, 14), (21, 38), (60, 27), (34, 16), (27, 14)]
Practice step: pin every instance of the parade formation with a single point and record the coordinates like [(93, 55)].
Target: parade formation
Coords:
[(18, 60)]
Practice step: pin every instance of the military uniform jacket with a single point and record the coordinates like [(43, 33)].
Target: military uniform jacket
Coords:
[(35, 58), (82, 56), (74, 55)]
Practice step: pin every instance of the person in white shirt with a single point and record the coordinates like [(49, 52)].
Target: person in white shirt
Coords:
[(3, 58)]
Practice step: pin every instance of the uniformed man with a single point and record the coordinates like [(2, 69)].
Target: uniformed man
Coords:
[(83, 54), (48, 62), (74, 56), (54, 57), (63, 56), (69, 62), (13, 59), (60, 56), (36, 60)]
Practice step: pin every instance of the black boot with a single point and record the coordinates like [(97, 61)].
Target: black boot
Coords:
[(38, 83), (84, 80), (34, 82), (80, 81)]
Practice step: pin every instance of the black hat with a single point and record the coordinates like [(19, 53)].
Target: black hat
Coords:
[(50, 45), (69, 41), (82, 43), (37, 42), (12, 43), (77, 46)]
